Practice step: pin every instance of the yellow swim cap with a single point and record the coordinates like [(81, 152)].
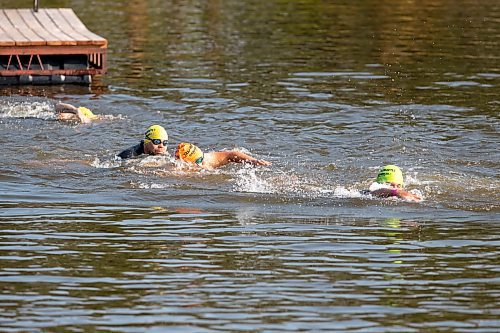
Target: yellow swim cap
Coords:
[(87, 113), (390, 174), (189, 153), (155, 132)]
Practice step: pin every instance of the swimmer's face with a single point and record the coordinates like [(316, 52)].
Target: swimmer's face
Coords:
[(395, 185), (152, 149), (66, 116)]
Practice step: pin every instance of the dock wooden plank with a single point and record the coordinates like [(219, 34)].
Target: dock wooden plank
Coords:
[(78, 25), (18, 22), (49, 25), (31, 21), (63, 25), (50, 36), (5, 39), (12, 31)]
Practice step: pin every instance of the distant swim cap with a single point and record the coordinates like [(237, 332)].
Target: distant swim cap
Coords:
[(87, 113), (155, 132), (390, 174), (189, 153)]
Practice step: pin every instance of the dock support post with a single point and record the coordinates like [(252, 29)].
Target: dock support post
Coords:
[(35, 6)]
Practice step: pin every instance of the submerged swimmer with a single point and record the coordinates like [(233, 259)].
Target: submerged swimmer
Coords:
[(68, 112), (190, 153), (389, 183), (154, 143)]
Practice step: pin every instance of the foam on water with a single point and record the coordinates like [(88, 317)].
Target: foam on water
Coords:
[(247, 180), (288, 177), (105, 164), (143, 185), (280, 181), (256, 180), (42, 109), (151, 161), (27, 109)]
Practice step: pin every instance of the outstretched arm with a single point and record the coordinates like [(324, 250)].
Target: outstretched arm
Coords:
[(239, 157), (395, 192), (221, 158), (409, 196), (63, 109)]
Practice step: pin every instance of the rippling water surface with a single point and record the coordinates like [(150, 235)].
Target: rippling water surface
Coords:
[(328, 92)]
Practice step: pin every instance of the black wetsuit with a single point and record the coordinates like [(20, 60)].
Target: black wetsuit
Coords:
[(133, 151)]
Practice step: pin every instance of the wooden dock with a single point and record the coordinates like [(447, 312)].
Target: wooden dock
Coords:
[(51, 45)]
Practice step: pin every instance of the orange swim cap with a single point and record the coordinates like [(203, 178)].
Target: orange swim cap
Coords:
[(189, 153)]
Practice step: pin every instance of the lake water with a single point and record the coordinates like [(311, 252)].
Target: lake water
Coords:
[(329, 92)]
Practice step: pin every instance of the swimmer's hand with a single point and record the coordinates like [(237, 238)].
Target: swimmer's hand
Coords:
[(399, 193), (217, 159), (66, 108), (260, 162), (409, 196)]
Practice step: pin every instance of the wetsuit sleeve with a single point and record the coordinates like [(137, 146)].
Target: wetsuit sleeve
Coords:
[(127, 153), (132, 152)]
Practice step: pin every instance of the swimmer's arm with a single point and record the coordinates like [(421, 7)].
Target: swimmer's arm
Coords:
[(221, 158), (64, 107), (408, 196), (239, 157), (393, 192)]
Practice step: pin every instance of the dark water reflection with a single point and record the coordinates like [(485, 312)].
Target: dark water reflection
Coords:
[(327, 91), (123, 268)]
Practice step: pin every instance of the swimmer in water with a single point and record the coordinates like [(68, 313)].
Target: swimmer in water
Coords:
[(68, 112), (154, 143), (190, 153), (389, 183)]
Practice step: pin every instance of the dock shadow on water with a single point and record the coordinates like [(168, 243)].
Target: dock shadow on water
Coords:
[(329, 93)]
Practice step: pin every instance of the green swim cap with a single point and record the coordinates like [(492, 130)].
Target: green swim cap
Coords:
[(390, 174)]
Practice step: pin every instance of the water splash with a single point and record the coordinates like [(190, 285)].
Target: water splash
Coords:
[(27, 109), (152, 161), (289, 184), (247, 180), (105, 164), (343, 192), (143, 185)]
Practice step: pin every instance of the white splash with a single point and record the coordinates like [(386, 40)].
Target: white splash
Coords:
[(154, 161), (246, 215), (41, 110), (109, 164), (247, 180), (111, 117), (142, 185), (376, 186), (342, 192)]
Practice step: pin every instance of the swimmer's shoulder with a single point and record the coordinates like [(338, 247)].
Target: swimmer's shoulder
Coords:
[(133, 151)]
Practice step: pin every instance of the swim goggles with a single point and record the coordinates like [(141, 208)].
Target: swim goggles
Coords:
[(200, 160), (158, 141)]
